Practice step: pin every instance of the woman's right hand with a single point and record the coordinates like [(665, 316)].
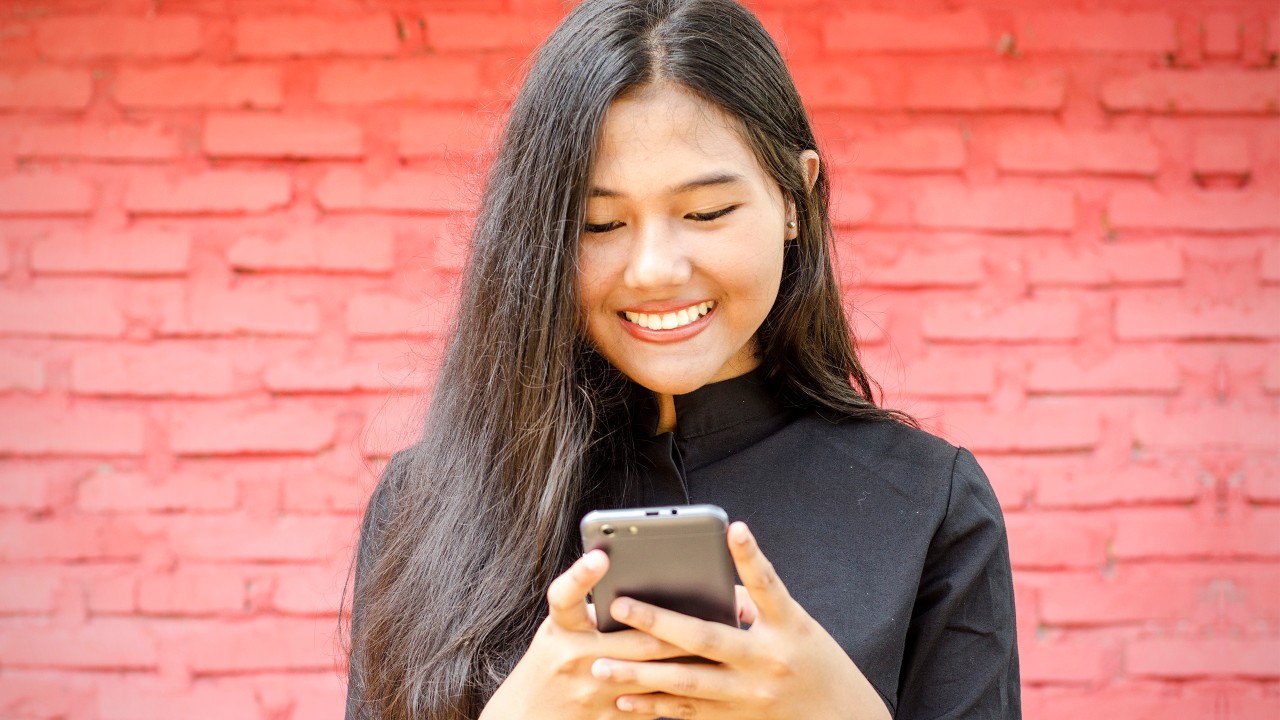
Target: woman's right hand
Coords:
[(553, 680)]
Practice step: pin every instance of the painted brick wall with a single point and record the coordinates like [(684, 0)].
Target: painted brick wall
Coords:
[(228, 234)]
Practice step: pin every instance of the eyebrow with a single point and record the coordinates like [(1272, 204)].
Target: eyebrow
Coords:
[(722, 178)]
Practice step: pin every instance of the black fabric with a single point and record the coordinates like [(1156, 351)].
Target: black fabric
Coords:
[(889, 537)]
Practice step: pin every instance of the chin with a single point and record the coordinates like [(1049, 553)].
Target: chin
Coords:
[(670, 384)]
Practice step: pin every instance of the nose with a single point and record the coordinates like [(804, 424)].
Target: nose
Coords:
[(657, 259)]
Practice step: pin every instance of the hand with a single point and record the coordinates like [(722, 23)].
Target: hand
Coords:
[(785, 666), (553, 680)]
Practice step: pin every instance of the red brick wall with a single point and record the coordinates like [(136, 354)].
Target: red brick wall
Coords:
[(228, 232)]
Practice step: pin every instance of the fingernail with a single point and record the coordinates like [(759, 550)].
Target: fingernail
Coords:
[(621, 609), (744, 534), (601, 669), (592, 560), (625, 704)]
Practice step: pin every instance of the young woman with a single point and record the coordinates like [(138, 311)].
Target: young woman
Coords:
[(649, 316)]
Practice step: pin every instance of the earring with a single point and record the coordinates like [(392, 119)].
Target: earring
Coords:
[(791, 224)]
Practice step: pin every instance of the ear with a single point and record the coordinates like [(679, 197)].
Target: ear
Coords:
[(810, 164)]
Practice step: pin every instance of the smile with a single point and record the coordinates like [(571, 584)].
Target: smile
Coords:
[(670, 320)]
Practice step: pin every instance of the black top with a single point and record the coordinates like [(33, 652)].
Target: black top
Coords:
[(889, 537)]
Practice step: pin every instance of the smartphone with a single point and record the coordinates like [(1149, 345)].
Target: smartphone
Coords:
[(675, 557)]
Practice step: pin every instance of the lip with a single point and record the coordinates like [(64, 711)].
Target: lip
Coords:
[(666, 336)]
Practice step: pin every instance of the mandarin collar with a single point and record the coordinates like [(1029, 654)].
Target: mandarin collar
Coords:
[(715, 420)]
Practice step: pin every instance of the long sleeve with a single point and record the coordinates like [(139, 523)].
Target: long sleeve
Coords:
[(376, 517), (961, 657)]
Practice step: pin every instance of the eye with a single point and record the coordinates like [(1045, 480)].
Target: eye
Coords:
[(708, 216), (601, 228)]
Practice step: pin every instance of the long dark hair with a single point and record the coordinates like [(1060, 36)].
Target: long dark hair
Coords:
[(463, 538)]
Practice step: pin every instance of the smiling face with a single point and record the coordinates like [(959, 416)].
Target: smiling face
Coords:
[(681, 256)]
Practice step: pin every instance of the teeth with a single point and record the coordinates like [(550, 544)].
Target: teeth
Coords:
[(671, 320)]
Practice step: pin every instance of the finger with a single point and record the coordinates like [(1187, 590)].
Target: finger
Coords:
[(591, 614), (635, 645), (747, 611), (685, 680), (711, 640), (567, 595), (668, 706), (772, 600)]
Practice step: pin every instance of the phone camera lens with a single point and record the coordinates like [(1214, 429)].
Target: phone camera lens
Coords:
[(607, 529)]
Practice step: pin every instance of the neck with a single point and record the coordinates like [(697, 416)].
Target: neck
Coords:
[(666, 413)]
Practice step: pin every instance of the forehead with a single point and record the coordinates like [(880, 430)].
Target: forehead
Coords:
[(664, 134)]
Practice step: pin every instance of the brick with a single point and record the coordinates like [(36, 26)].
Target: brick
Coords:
[(132, 252), (200, 85), (309, 591), (389, 315), (402, 191), (222, 429), (29, 590), (1058, 151), (918, 32), (1271, 376), (282, 136), (293, 376), (942, 374), (914, 268), (121, 491), (240, 311), (78, 539), (1049, 539), (29, 485), (1140, 370), (1185, 658), (487, 31), (147, 698), (1096, 31), (850, 208), (835, 86), (101, 644), (1130, 263), (1132, 702), (98, 141), (158, 371), (315, 698), (36, 428), (1153, 317), (4, 260), (1205, 211), (1221, 32), (19, 373), (44, 88), (259, 644), (43, 193), (45, 313), (362, 247), (442, 132), (40, 694), (84, 37), (321, 494), (209, 191), (1091, 487), (281, 538), (399, 81), (1221, 155), (1064, 660), (1045, 428), (910, 150), (1177, 533), (1208, 428), (275, 36), (193, 590), (1195, 92), (1006, 208), (970, 87), (1020, 321), (1269, 268), (1133, 594)]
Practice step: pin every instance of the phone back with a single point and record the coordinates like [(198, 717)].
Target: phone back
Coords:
[(672, 557)]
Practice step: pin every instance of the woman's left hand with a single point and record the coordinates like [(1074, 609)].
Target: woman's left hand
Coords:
[(785, 666)]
